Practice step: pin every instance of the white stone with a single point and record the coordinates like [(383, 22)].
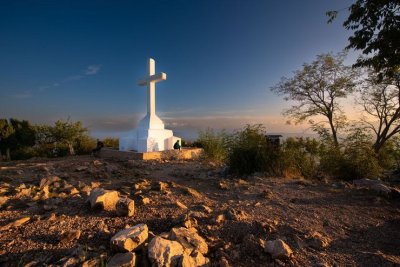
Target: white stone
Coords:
[(150, 135)]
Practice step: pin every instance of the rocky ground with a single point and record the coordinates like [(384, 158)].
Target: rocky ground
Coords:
[(187, 213)]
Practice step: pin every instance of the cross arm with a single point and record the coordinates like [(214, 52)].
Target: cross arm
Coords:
[(153, 78)]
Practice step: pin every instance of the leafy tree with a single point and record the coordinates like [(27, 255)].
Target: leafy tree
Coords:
[(6, 130), (24, 134), (380, 100), (316, 89), (63, 132), (376, 26)]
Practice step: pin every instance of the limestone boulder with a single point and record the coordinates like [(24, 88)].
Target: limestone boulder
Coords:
[(164, 253), (189, 239), (278, 249), (130, 239), (194, 259), (127, 259), (105, 199), (125, 207)]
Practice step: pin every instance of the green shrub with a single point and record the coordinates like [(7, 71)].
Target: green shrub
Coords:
[(84, 145), (389, 154), (353, 159), (214, 145), (251, 152), (111, 142), (299, 157)]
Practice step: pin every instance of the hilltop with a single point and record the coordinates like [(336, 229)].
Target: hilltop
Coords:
[(323, 223)]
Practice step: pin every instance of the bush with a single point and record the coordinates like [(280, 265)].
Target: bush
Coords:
[(251, 152), (84, 145), (353, 159), (214, 145), (111, 142), (299, 157), (389, 154)]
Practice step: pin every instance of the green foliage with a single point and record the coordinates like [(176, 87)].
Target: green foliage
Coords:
[(375, 30), (375, 27), (354, 159), (84, 145), (111, 142), (389, 154), (251, 152), (299, 157), (64, 133), (214, 145), (6, 131), (316, 90), (24, 134)]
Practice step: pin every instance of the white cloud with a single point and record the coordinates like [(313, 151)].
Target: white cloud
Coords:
[(92, 69)]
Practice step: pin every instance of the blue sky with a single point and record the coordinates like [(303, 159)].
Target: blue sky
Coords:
[(82, 59)]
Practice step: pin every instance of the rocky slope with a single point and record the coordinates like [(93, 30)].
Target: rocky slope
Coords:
[(84, 211)]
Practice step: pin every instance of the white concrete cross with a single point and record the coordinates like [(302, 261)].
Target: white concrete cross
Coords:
[(150, 81)]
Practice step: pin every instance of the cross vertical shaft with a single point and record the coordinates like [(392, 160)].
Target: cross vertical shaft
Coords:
[(151, 97)]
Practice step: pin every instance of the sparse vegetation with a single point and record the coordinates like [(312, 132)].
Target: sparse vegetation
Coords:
[(214, 145)]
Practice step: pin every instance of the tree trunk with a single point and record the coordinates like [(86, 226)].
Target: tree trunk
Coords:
[(71, 149), (8, 157), (334, 134)]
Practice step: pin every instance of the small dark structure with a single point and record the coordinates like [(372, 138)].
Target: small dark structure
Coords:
[(274, 139)]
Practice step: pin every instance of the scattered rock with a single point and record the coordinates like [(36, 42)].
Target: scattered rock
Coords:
[(91, 263), (186, 220), (47, 181), (145, 200), (125, 207), (3, 200), (70, 236), (105, 199), (97, 162), (127, 259), (234, 215), (192, 192), (16, 223), (194, 259), (220, 218), (130, 239), (278, 249), (189, 239), (163, 252), (202, 208), (223, 262), (318, 241), (81, 168), (223, 185), (180, 205), (159, 186), (142, 185)]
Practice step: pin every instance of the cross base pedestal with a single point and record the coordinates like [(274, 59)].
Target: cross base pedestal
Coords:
[(144, 139)]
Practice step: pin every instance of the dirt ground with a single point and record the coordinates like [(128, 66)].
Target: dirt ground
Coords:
[(356, 227)]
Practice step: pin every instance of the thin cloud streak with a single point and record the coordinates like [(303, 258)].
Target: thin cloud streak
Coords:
[(89, 71), (22, 95)]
